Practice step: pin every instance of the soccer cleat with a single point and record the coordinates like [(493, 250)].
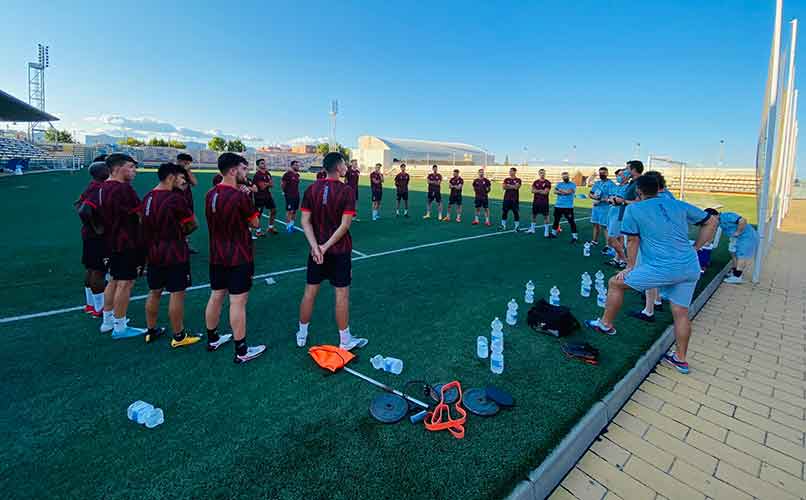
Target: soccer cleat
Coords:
[(643, 317), (671, 360), (254, 236), (594, 243), (88, 309), (222, 339), (474, 223), (188, 340), (531, 230), (128, 332), (152, 336), (302, 338), (406, 215), (596, 325), (459, 220), (488, 224), (96, 314), (734, 280), (447, 218), (259, 233), (106, 327), (355, 342), (427, 216), (251, 353), (192, 251), (273, 231)]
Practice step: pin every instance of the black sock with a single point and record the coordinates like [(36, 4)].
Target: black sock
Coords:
[(737, 273), (180, 335), (212, 335), (240, 347)]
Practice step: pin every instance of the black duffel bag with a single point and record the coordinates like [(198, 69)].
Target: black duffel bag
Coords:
[(551, 320)]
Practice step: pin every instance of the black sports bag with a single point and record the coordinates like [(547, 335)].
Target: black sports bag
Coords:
[(551, 320)]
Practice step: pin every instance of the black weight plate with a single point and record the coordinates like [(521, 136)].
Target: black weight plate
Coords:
[(501, 397), (388, 408), (450, 397), (477, 403)]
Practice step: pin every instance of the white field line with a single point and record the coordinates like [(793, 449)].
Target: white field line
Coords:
[(297, 228), (54, 312)]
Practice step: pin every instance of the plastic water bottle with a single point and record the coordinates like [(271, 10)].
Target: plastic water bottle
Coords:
[(585, 285), (482, 349), (529, 294), (601, 297), (512, 312), (154, 418), (138, 411), (497, 362), (599, 276), (497, 332), (586, 249), (554, 298), (732, 245), (391, 365)]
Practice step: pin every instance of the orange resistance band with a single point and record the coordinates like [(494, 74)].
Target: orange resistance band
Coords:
[(440, 419)]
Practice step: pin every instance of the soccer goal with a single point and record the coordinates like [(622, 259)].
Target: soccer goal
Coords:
[(674, 171)]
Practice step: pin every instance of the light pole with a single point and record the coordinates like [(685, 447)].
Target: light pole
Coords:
[(36, 83), (636, 152), (721, 152), (334, 110)]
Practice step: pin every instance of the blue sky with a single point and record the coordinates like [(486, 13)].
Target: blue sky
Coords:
[(675, 76)]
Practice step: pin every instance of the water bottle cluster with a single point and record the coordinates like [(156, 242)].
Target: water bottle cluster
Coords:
[(145, 414)]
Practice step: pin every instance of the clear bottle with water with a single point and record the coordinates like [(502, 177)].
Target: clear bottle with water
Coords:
[(586, 249), (137, 411), (599, 276), (387, 364), (497, 331), (529, 294), (497, 362), (482, 347), (154, 418), (554, 296), (512, 312), (601, 297), (585, 288), (732, 245)]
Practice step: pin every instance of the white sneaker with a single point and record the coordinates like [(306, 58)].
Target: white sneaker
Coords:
[(531, 230), (735, 280), (106, 326), (222, 339), (353, 343), (302, 338), (251, 353)]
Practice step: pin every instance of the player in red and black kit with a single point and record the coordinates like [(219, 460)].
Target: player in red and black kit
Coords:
[(93, 254), (541, 188), (263, 199), (230, 213), (167, 220), (376, 185), (434, 180), (118, 204), (328, 208), (455, 200), (402, 188), (290, 186), (511, 187), (481, 191), (351, 179), (185, 161)]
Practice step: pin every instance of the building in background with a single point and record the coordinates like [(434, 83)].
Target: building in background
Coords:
[(303, 149), (373, 149)]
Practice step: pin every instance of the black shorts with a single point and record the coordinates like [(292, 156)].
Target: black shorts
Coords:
[(377, 195), (403, 195), (482, 202), (434, 196), (235, 279), (336, 268), (540, 209), (173, 277), (264, 201), (455, 199), (292, 204), (93, 255), (123, 265), (510, 205)]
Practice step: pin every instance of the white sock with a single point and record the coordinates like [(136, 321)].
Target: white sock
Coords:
[(406, 212), (374, 212), (108, 316), (88, 295), (303, 328), (271, 226), (647, 313), (397, 212), (119, 324), (476, 218), (517, 224), (554, 232), (487, 219), (503, 223), (574, 236), (546, 229), (532, 226), (98, 301), (345, 336)]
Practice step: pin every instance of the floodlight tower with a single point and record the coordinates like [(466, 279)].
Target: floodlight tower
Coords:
[(721, 152), (334, 110), (636, 152), (36, 83)]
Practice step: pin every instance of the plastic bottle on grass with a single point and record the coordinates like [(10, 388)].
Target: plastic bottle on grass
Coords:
[(529, 294), (138, 411), (601, 297), (391, 365), (585, 285), (586, 249), (497, 362), (482, 348), (554, 296), (512, 312), (497, 332), (154, 418)]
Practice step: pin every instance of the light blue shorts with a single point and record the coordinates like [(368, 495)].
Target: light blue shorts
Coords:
[(599, 215), (678, 288), (747, 244), (613, 224)]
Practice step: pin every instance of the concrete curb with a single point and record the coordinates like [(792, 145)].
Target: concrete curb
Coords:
[(544, 479)]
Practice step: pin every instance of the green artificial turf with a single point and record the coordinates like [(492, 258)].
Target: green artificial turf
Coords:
[(280, 427)]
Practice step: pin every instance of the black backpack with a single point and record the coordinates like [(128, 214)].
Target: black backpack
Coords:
[(551, 320)]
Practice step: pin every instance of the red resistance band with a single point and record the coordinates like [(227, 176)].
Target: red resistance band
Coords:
[(440, 419)]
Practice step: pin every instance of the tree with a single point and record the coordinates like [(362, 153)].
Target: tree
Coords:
[(217, 144), (324, 149), (61, 136), (131, 141), (173, 143), (236, 146)]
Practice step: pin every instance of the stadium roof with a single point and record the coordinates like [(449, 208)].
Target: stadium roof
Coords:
[(419, 146), (14, 110)]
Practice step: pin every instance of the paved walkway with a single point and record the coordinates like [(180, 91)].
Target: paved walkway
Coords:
[(734, 427)]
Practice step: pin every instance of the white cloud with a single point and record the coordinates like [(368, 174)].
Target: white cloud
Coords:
[(119, 126), (306, 139)]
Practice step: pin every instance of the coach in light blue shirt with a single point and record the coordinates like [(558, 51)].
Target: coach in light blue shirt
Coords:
[(600, 192), (659, 227), (564, 207)]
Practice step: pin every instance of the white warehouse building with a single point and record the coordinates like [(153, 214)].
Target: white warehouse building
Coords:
[(373, 149)]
